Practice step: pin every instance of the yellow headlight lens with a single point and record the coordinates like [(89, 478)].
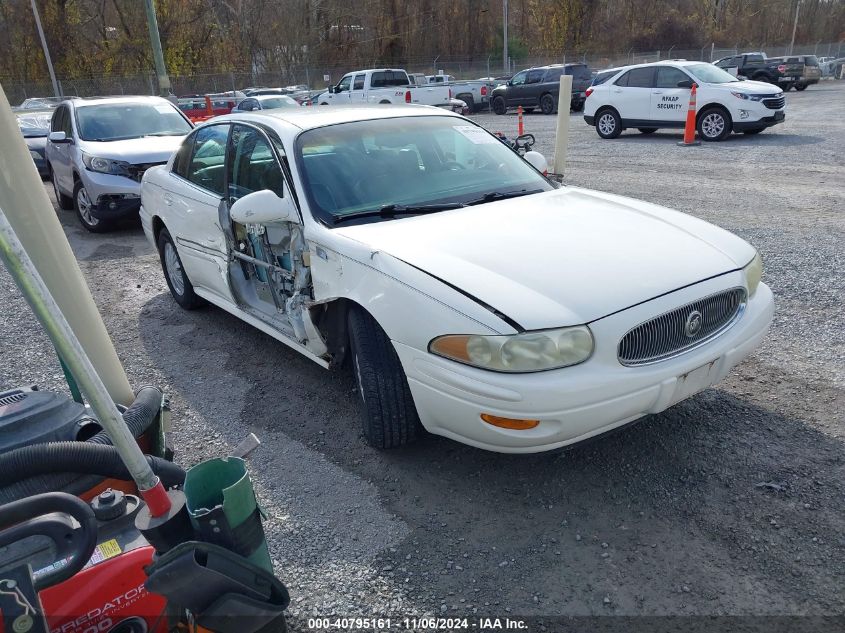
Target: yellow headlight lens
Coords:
[(753, 273), (518, 353)]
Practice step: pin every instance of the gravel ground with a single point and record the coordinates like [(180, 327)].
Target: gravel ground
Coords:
[(728, 504)]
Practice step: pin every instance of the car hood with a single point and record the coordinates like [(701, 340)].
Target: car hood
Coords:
[(559, 258), (751, 87), (151, 149)]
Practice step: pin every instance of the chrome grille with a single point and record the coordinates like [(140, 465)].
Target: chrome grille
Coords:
[(668, 335), (774, 102)]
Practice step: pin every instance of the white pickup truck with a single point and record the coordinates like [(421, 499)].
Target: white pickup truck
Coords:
[(383, 85)]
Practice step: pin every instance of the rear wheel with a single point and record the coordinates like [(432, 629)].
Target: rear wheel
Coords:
[(499, 106), (84, 207), (800, 87), (65, 202), (608, 124), (467, 99), (547, 104), (714, 124), (390, 417), (174, 274), (577, 104), (647, 130)]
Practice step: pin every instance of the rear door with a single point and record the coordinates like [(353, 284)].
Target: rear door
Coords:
[(631, 93), (358, 95), (193, 205), (668, 102)]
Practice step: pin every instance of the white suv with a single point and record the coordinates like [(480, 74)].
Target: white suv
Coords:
[(653, 96)]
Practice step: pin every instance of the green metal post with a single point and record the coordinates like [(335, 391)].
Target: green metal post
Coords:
[(158, 56)]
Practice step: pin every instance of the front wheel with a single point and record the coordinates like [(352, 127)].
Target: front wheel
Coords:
[(714, 124), (499, 106), (84, 208), (390, 417), (547, 104), (608, 124), (177, 281)]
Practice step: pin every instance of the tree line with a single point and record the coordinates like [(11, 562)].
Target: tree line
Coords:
[(90, 38)]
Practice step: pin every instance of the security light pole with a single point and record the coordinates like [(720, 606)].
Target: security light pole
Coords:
[(794, 26), (158, 56), (505, 63), (46, 50)]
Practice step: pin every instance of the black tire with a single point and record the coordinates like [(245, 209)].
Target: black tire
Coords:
[(547, 104), (183, 293), (83, 206), (800, 87), (576, 104), (608, 124), (756, 130), (65, 202), (647, 130), (389, 415), (467, 99), (498, 105), (714, 124)]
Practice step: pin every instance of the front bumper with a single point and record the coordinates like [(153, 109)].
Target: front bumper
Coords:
[(576, 403), (778, 117), (114, 197)]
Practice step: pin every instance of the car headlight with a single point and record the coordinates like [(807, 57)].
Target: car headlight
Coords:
[(753, 273), (106, 165), (746, 96), (518, 353)]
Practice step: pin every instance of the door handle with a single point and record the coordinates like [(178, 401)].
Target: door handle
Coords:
[(168, 199), (617, 90), (657, 92)]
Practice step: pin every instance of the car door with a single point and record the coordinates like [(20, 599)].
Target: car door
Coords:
[(357, 94), (192, 201), (516, 88), (631, 94), (342, 93), (668, 101), (59, 154), (533, 88)]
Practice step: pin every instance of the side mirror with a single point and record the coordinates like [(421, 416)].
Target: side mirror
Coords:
[(262, 207), (537, 161), (58, 137), (686, 83)]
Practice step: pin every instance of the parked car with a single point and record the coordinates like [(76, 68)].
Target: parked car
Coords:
[(539, 87), (758, 67), (383, 86), (199, 108), (41, 103), (475, 93), (834, 68), (471, 296), (98, 150), (266, 102), (35, 126), (656, 95), (810, 71)]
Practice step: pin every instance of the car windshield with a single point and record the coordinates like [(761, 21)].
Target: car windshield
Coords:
[(603, 76), (710, 74), (415, 161), (35, 124), (120, 121), (278, 102)]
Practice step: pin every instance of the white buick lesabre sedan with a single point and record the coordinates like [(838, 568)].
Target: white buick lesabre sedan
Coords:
[(471, 296)]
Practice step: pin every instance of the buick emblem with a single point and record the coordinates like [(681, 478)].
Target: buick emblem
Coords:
[(693, 324)]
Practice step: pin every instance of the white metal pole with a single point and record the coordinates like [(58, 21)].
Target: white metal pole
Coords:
[(46, 50), (29, 211), (564, 98)]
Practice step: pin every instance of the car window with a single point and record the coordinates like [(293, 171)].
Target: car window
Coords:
[(604, 76), (56, 124), (553, 74), (388, 78), (277, 102), (344, 83), (359, 82), (668, 77), (182, 160), (753, 58), (519, 78), (534, 76), (582, 72), (206, 166), (637, 78), (811, 60), (252, 164)]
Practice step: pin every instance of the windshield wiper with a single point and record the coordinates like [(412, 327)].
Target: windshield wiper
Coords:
[(502, 195), (392, 210)]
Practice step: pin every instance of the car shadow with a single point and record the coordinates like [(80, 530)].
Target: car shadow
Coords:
[(763, 139), (718, 493)]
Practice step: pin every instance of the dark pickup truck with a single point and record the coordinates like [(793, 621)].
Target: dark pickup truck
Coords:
[(539, 87), (757, 67), (810, 71)]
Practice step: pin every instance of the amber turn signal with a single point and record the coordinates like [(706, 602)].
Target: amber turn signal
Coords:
[(509, 423)]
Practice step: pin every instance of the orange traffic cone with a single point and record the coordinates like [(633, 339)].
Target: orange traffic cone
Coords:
[(520, 130), (689, 128)]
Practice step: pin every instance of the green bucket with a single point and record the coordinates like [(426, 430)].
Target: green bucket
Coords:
[(224, 510)]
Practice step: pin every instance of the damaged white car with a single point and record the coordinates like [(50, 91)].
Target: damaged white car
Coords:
[(471, 296)]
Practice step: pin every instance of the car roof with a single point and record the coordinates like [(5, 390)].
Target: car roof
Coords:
[(268, 97), (116, 99), (310, 117)]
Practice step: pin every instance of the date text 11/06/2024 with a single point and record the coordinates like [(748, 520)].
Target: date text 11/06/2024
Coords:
[(416, 624)]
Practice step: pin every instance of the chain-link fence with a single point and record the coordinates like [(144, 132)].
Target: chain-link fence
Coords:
[(318, 77)]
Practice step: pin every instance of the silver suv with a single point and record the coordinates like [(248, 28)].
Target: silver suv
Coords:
[(99, 148)]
